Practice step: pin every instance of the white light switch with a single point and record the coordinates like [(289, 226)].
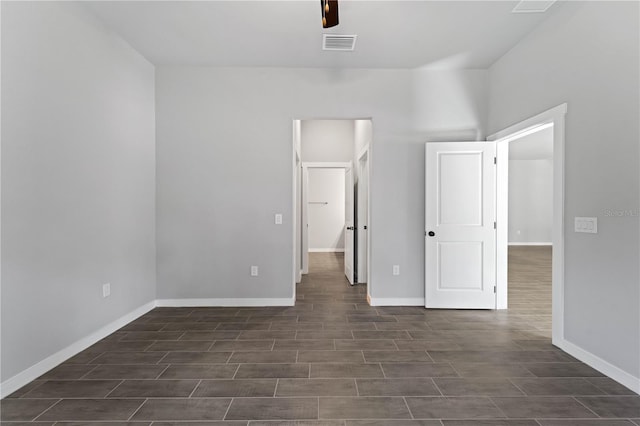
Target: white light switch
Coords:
[(254, 271), (586, 224), (278, 218), (396, 269)]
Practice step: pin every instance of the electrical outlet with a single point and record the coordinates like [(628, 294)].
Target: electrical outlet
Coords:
[(106, 290), (278, 218), (254, 271), (396, 269)]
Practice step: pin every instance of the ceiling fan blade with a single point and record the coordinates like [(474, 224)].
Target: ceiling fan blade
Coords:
[(330, 16)]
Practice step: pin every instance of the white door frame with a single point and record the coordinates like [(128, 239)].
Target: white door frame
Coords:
[(362, 155), (306, 165), (556, 116)]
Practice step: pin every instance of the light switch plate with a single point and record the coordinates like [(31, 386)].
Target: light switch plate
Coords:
[(278, 218), (586, 224)]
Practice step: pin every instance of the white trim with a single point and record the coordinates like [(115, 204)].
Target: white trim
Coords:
[(326, 250), (225, 302), (396, 301), (556, 116), (531, 244), (517, 130), (601, 365), (27, 376), (327, 165)]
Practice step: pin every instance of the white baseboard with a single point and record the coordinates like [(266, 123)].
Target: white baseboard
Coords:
[(601, 365), (242, 302), (326, 250), (19, 380), (394, 301), (530, 244)]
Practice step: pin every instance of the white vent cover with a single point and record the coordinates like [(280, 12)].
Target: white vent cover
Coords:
[(345, 43), (533, 6)]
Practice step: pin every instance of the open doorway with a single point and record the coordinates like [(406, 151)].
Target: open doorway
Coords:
[(331, 201), (534, 150), (530, 225)]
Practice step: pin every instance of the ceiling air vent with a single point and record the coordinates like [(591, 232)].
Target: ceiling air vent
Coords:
[(533, 6), (344, 43)]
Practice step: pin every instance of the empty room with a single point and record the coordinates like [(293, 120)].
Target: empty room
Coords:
[(166, 168)]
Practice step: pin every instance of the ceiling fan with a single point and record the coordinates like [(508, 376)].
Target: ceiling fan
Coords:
[(329, 13)]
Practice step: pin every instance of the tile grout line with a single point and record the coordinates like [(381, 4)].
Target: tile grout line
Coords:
[(195, 388), (35, 419), (116, 387), (138, 409)]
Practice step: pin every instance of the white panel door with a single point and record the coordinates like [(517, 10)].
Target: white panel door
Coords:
[(348, 226), (460, 240)]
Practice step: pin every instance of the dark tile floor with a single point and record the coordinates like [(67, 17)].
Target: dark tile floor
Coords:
[(332, 360)]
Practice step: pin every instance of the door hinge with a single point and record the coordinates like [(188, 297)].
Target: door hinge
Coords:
[(495, 160), (495, 225), (495, 290)]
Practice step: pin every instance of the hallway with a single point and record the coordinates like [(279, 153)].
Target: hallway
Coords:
[(334, 359)]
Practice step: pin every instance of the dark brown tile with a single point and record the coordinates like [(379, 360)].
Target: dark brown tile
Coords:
[(273, 409), (126, 372), (396, 356), (493, 422), (297, 423), (345, 370), (308, 345), (103, 423), (397, 387), (610, 386), (316, 387), (180, 345), (204, 371), (250, 371), (499, 356), (151, 335), (613, 406), (122, 346), (191, 326), (264, 357), (427, 345), (392, 334), (92, 409), (361, 345), (129, 358), (236, 388), (18, 410), (562, 369), (25, 389), (543, 407), (241, 345), (393, 423), (491, 370), (331, 356), (213, 423), (73, 389), (536, 386), (154, 389), (418, 369), (67, 372), (210, 335), (183, 409), (452, 408), (323, 334), (364, 408), (585, 422), (482, 386), (261, 334), (196, 358)]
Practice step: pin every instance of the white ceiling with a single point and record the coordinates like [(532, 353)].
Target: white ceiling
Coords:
[(391, 34), (536, 146)]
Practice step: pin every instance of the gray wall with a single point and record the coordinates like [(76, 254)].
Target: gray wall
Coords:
[(530, 201), (220, 181), (77, 179), (327, 140), (587, 55)]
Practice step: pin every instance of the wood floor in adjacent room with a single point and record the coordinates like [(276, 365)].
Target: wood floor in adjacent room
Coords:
[(332, 360)]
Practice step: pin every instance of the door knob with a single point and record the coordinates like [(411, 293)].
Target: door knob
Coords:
[(349, 228), (432, 234)]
